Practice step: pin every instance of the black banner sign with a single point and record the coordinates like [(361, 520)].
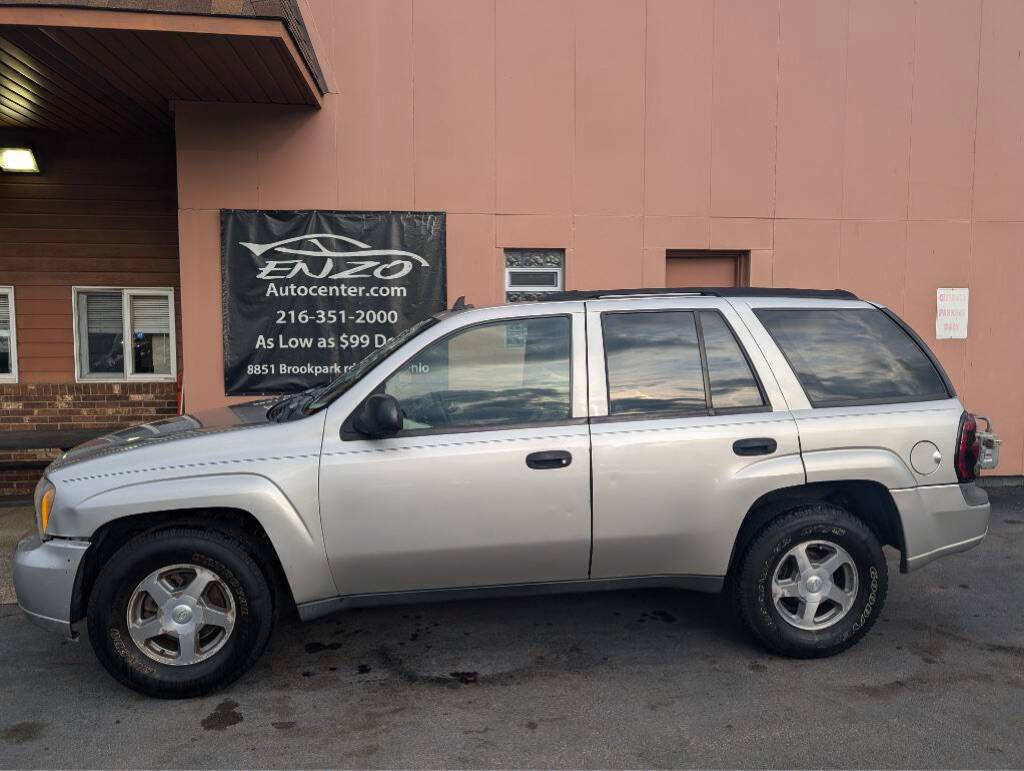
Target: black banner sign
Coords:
[(307, 294)]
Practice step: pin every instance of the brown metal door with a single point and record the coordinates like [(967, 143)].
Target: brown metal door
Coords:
[(692, 268)]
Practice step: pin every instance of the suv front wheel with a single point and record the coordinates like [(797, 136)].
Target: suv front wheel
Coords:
[(180, 612), (812, 582)]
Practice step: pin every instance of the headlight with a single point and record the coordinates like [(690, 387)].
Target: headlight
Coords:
[(45, 492)]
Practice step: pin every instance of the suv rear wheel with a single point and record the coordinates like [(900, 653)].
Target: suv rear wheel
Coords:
[(180, 613), (812, 582)]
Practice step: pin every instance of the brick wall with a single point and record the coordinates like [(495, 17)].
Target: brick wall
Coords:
[(73, 406)]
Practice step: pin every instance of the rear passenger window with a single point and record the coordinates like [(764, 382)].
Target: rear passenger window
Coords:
[(855, 356), (732, 382), (653, 362)]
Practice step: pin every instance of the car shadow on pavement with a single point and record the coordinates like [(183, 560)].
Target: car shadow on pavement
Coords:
[(502, 641)]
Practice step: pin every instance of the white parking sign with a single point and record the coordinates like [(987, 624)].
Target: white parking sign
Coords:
[(951, 313)]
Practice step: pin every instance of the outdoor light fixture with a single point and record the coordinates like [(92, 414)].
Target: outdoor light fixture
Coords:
[(18, 159)]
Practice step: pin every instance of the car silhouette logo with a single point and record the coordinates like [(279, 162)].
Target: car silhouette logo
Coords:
[(353, 259)]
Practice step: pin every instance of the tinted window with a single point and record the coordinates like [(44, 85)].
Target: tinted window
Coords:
[(653, 362), (732, 383), (853, 357), (497, 374)]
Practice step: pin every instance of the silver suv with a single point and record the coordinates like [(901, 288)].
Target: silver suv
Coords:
[(768, 441)]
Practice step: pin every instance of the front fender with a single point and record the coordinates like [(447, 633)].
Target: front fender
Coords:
[(297, 540)]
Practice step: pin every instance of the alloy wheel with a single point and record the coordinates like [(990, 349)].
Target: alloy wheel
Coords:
[(814, 585), (181, 614)]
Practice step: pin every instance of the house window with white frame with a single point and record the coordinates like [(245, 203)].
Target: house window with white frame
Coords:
[(532, 273), (8, 337), (124, 334)]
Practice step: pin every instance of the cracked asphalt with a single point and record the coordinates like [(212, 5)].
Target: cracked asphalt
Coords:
[(629, 679)]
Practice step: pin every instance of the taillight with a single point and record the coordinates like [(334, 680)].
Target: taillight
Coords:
[(968, 449)]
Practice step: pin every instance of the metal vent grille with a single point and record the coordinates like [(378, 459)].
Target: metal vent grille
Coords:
[(533, 274)]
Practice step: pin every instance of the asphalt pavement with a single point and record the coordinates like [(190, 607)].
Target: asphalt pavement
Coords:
[(626, 679), (15, 523)]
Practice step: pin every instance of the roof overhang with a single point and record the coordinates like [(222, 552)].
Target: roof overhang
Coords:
[(113, 71)]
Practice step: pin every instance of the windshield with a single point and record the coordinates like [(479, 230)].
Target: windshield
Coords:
[(320, 397)]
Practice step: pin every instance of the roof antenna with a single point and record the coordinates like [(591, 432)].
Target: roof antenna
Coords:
[(460, 304)]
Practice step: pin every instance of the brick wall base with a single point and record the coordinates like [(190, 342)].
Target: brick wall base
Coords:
[(21, 482), (68, 406)]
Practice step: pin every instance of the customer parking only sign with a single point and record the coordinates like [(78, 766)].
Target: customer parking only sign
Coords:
[(951, 305), (307, 294)]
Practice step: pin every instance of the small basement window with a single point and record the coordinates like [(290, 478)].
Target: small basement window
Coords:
[(531, 273), (8, 337), (124, 334)]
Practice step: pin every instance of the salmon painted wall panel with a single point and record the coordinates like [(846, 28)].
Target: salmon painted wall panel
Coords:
[(871, 144)]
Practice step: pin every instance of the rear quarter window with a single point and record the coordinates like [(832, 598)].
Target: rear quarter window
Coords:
[(853, 356)]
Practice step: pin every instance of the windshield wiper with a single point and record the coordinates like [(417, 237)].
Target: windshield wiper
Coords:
[(288, 407), (278, 407)]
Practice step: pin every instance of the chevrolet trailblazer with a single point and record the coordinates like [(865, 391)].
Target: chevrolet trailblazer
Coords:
[(766, 441)]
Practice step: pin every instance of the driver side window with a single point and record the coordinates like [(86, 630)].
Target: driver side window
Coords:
[(491, 375)]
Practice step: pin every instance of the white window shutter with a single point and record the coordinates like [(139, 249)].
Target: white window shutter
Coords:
[(151, 315), (103, 314)]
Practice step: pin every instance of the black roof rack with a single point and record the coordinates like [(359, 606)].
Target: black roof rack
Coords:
[(725, 291)]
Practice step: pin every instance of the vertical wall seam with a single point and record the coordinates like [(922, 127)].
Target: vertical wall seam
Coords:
[(338, 195), (494, 127), (977, 113), (570, 266), (846, 113), (913, 90), (643, 137), (971, 257), (335, 128), (711, 115), (846, 131), (773, 206), (497, 260), (412, 92), (643, 146), (910, 164), (775, 168)]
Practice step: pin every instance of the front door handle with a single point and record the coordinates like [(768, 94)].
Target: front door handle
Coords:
[(759, 446), (549, 459)]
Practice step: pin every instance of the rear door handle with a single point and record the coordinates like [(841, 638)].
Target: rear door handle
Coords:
[(549, 459), (759, 446)]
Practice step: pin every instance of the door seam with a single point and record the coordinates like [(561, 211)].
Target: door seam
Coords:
[(590, 437)]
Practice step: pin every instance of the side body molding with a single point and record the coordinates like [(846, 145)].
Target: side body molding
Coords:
[(776, 472), (299, 544), (874, 464)]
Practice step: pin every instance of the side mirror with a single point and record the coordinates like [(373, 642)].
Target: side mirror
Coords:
[(378, 417)]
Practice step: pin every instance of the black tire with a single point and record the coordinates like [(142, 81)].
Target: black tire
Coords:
[(226, 557), (752, 585)]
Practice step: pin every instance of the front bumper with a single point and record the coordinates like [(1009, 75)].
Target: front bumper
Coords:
[(44, 580), (939, 520)]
